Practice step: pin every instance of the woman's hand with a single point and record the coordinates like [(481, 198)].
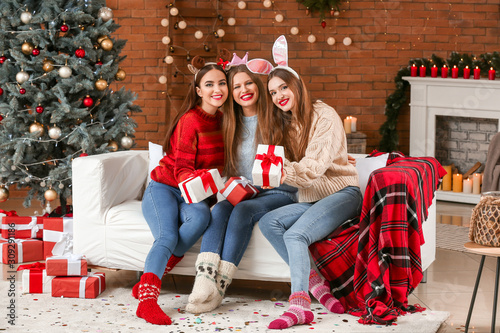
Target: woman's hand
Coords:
[(282, 180), (351, 160)]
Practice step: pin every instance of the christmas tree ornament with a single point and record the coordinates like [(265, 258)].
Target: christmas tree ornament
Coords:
[(36, 127), (50, 195), (242, 4), (1, 91), (105, 14), (279, 18), (39, 109), (198, 34), (323, 24), (61, 186), (174, 11), (294, 30), (330, 41), (112, 145), (332, 11), (48, 65), (83, 154), (2, 59), (27, 48), (22, 91), (99, 62), (337, 13), (127, 142), (347, 41), (26, 17), (182, 25), (231, 21), (36, 51), (55, 132), (101, 38), (64, 27), (65, 72), (22, 77), (80, 53), (88, 101), (4, 194), (101, 84), (120, 75), (311, 38), (107, 44), (1, 117), (307, 10), (221, 32)]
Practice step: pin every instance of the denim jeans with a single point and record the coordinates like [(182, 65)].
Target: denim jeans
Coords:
[(291, 229), (176, 226), (231, 227)]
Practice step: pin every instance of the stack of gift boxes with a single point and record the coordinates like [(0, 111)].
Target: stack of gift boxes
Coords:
[(37, 238)]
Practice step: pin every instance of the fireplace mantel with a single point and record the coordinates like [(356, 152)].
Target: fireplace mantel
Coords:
[(431, 97)]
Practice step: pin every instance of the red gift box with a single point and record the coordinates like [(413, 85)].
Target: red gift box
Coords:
[(200, 185), (89, 286), (57, 236), (14, 251), (35, 279), (69, 265), (22, 227), (238, 189)]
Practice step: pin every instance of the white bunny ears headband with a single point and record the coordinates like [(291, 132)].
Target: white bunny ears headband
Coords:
[(280, 57)]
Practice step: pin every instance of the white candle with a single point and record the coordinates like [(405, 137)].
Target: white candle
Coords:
[(467, 186), (347, 124), (476, 183), (353, 124)]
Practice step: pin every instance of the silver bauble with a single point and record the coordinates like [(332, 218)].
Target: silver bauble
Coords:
[(22, 77), (26, 17), (105, 13), (127, 142), (55, 132), (65, 72)]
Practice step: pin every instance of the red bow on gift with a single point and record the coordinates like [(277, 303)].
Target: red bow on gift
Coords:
[(267, 160), (11, 213), (222, 63), (37, 266), (206, 179)]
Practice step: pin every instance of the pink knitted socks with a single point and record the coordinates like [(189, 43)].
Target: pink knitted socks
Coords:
[(320, 288), (298, 313)]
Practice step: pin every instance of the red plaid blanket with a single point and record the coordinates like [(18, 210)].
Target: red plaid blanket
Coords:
[(373, 263)]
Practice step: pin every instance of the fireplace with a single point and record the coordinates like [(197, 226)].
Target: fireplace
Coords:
[(435, 98)]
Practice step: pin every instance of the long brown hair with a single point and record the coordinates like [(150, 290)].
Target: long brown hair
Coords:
[(192, 99), (232, 123), (290, 129)]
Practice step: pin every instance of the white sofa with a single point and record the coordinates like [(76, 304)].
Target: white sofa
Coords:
[(110, 230)]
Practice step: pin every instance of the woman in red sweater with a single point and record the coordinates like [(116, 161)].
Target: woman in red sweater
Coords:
[(193, 141)]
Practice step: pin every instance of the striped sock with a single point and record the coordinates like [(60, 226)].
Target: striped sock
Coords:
[(298, 313), (320, 289)]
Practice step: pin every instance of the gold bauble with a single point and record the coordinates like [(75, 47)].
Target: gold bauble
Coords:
[(4, 194), (112, 145), (27, 48), (36, 127), (100, 39), (107, 44), (50, 195), (120, 75), (101, 84), (48, 65)]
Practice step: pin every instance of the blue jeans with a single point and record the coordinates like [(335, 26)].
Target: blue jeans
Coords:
[(291, 229), (176, 226), (231, 227)]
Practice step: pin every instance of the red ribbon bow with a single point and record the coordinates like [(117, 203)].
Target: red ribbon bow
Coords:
[(222, 63), (37, 266), (10, 213), (268, 159), (206, 179)]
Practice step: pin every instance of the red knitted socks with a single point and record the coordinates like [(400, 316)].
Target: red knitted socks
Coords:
[(320, 289), (170, 265), (148, 309), (298, 313)]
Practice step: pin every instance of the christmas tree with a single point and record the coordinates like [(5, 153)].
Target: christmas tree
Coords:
[(57, 60)]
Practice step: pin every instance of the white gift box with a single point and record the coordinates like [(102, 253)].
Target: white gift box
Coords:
[(202, 184), (268, 165)]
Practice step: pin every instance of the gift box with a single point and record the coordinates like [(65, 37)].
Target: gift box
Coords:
[(89, 286), (68, 265), (14, 251), (200, 185), (34, 279), (238, 189), (22, 227), (57, 236), (268, 165)]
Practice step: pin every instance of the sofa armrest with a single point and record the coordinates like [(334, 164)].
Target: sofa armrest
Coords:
[(106, 180)]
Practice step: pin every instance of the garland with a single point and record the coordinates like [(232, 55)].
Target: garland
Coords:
[(397, 99), (321, 6)]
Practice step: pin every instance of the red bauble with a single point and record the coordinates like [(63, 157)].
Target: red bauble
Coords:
[(2, 59), (1, 91), (99, 63), (1, 117), (323, 24), (80, 53), (88, 101), (84, 154), (22, 91), (35, 52), (64, 28), (39, 109)]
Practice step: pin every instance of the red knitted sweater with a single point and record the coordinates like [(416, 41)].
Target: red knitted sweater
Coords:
[(196, 143)]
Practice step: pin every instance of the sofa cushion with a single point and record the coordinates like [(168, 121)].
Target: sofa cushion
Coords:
[(366, 166), (155, 155)]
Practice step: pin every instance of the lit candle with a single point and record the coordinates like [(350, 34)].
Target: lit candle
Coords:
[(491, 74), (354, 121), (413, 70), (422, 71), (434, 71), (466, 72), (447, 178), (456, 220), (477, 73), (467, 185), (476, 183), (454, 72), (347, 124), (446, 219), (457, 182), (444, 72)]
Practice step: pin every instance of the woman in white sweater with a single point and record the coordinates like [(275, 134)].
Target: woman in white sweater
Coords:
[(317, 164)]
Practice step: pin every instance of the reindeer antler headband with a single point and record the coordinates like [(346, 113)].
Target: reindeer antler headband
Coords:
[(197, 63)]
